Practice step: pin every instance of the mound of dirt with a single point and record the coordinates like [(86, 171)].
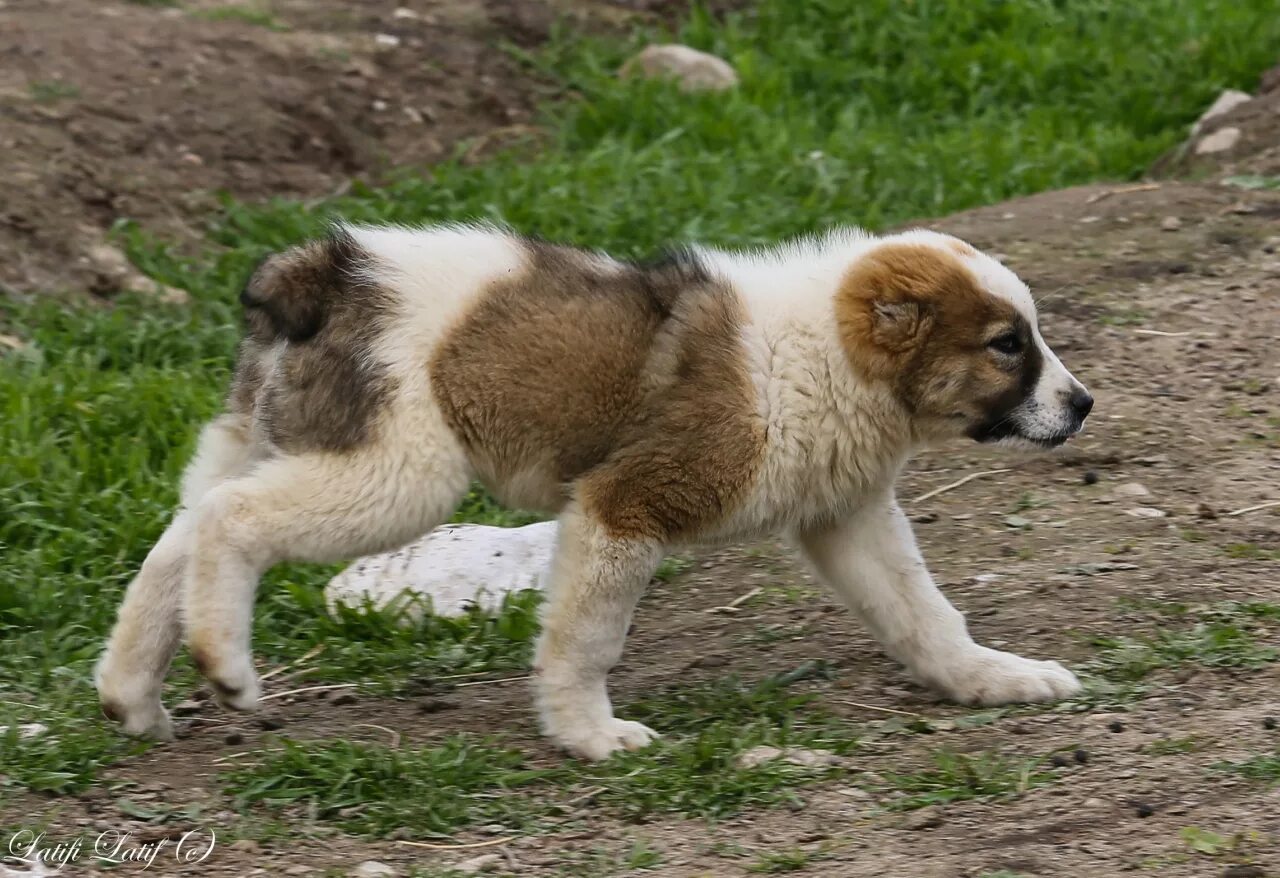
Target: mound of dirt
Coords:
[(1243, 140), (143, 111)]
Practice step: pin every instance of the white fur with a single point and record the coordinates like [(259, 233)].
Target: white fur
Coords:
[(833, 448)]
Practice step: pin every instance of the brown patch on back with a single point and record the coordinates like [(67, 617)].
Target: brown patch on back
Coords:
[(915, 316), (306, 371), (961, 248), (627, 380)]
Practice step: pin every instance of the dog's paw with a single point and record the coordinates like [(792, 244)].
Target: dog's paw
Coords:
[(232, 678), (597, 741), (133, 704), (989, 677)]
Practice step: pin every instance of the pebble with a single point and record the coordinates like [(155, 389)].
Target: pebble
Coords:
[(1242, 870), (267, 724), (233, 738), (1269, 723), (1090, 477), (476, 865), (1170, 224), (1059, 760), (246, 845), (345, 698), (1081, 756), (1219, 141), (1144, 810), (372, 869), (1115, 726)]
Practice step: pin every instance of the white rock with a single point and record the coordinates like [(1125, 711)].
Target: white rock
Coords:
[(1219, 141), (476, 865), (456, 567), (372, 869), (1146, 512), (27, 730), (1225, 103), (1171, 224), (389, 41), (694, 70), (757, 756), (1131, 489)]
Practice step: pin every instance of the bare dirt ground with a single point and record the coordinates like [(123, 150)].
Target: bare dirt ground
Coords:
[(1165, 299), (143, 111)]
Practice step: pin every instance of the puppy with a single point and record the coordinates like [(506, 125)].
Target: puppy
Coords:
[(706, 397)]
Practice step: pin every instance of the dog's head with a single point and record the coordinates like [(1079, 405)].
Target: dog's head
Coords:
[(954, 334)]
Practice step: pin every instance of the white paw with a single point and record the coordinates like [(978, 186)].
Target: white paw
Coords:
[(989, 677), (597, 741), (232, 678), (139, 712)]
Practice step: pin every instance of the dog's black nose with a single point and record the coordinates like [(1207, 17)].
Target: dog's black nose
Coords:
[(1081, 402)]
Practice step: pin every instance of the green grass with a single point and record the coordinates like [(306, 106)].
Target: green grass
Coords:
[(849, 112), (1264, 768), (254, 15), (957, 777), (375, 790), (694, 770)]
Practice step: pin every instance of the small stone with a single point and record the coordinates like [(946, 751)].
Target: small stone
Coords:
[(1095, 804), (1131, 489), (299, 869), (1060, 760), (1081, 756), (233, 739), (924, 821), (344, 698), (1115, 726), (434, 705), (795, 756), (1144, 810), (389, 41), (1269, 723), (1206, 512), (715, 660), (694, 70), (372, 869), (404, 12), (187, 708), (268, 724), (1090, 477), (476, 865), (1243, 870), (1146, 512), (1219, 141), (1170, 224), (247, 845)]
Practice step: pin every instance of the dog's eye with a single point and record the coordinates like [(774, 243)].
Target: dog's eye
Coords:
[(1008, 344)]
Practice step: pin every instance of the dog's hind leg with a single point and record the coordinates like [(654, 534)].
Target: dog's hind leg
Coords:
[(313, 507), (131, 672)]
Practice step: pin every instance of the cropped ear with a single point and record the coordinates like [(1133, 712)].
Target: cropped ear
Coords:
[(899, 326)]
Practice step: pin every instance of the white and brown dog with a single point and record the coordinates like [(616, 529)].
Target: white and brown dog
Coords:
[(711, 396)]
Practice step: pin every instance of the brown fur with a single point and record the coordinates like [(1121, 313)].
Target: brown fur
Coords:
[(916, 317), (325, 391), (604, 377)]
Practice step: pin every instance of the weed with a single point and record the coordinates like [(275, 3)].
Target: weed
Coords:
[(790, 860), (1174, 746), (254, 15), (50, 91)]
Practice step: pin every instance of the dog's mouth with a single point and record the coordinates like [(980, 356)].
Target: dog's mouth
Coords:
[(1010, 430)]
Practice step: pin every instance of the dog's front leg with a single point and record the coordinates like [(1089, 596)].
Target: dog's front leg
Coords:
[(872, 562), (596, 581)]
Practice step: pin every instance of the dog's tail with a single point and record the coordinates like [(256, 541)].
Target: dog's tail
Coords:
[(291, 294)]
